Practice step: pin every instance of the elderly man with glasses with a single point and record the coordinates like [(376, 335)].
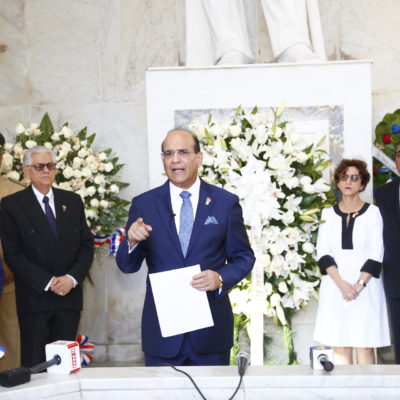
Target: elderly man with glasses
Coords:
[(49, 248)]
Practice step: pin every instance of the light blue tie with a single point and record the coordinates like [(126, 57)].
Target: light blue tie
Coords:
[(186, 221)]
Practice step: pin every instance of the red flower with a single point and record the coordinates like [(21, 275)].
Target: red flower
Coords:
[(386, 138), (375, 170)]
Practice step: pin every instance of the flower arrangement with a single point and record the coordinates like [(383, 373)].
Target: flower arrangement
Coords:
[(278, 178), (386, 139), (79, 169)]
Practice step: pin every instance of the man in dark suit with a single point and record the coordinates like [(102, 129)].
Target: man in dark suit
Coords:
[(49, 248), (187, 222), (388, 200)]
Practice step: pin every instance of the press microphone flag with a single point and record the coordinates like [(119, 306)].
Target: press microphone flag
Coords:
[(62, 357), (243, 360)]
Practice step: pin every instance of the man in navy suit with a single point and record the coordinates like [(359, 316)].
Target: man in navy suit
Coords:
[(49, 248), (388, 200), (217, 240)]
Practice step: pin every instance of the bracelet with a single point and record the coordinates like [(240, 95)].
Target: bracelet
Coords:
[(221, 282), (361, 282)]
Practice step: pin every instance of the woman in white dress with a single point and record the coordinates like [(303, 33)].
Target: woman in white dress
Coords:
[(352, 308)]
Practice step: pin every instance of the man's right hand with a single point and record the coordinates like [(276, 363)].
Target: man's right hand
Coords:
[(138, 232)]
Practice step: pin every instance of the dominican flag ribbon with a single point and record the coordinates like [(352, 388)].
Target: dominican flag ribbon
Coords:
[(114, 239), (85, 347)]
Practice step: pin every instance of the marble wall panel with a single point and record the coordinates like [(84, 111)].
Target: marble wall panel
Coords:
[(62, 51), (368, 33), (133, 36), (14, 79)]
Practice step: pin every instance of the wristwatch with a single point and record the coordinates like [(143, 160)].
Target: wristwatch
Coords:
[(361, 282), (221, 282)]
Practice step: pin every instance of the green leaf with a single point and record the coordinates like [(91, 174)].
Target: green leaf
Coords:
[(46, 125)]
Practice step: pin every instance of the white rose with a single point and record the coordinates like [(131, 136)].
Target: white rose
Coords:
[(77, 162), (91, 190), (86, 172), (99, 179), (30, 143), (282, 287), (91, 214), (101, 190), (8, 147), (104, 203), (77, 173), (19, 129), (7, 162), (68, 172), (102, 156), (65, 147), (308, 247), (114, 188), (18, 148), (13, 175), (94, 203), (66, 132), (65, 186), (48, 145), (82, 152), (55, 136), (108, 167)]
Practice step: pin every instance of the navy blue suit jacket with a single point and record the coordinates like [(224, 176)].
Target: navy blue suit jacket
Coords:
[(223, 247), (387, 199)]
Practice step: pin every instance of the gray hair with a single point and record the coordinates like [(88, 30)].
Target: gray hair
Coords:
[(27, 158)]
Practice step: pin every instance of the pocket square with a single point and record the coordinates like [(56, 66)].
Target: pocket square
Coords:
[(211, 220)]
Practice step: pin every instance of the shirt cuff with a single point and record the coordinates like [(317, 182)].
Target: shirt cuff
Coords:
[(46, 289), (130, 249), (372, 267), (73, 279), (325, 262)]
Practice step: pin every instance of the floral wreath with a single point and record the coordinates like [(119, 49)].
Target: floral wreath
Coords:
[(80, 169), (278, 178)]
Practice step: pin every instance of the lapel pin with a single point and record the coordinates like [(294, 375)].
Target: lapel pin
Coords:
[(208, 201), (64, 207)]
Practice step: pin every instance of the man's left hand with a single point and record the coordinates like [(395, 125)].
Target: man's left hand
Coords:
[(62, 285), (206, 280)]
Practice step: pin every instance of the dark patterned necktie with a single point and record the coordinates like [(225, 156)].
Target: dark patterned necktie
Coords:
[(50, 215)]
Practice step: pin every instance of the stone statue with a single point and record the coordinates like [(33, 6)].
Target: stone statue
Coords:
[(294, 28)]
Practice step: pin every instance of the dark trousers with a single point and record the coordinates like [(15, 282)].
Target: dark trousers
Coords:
[(187, 356), (39, 329), (394, 315)]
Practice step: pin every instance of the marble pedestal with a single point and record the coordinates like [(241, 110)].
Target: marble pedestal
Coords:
[(378, 382)]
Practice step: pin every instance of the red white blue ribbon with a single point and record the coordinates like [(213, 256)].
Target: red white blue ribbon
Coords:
[(114, 239), (85, 347)]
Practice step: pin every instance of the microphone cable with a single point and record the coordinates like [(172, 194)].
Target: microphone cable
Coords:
[(197, 388)]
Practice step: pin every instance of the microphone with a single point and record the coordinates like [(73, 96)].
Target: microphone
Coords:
[(320, 358), (62, 357), (243, 360), (324, 361)]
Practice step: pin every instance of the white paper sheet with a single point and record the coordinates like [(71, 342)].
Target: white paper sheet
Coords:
[(180, 307)]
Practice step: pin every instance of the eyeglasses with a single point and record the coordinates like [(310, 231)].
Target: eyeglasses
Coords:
[(40, 167), (181, 152), (353, 178)]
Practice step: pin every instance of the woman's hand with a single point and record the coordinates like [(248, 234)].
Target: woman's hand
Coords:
[(348, 290)]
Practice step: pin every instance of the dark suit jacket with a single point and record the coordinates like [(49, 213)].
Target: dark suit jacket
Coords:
[(35, 255), (387, 199), (223, 247)]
